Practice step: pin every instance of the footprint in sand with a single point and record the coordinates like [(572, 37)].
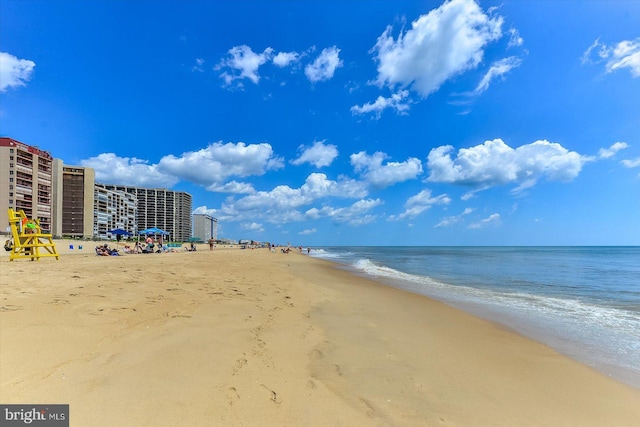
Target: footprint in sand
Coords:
[(232, 395), (10, 307)]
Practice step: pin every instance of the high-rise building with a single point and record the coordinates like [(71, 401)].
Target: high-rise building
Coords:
[(113, 209), (205, 227), (25, 182), (165, 209), (73, 200)]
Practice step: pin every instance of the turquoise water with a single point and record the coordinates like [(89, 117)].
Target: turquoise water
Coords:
[(582, 301)]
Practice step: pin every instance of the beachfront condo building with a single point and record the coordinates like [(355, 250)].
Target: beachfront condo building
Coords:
[(113, 209), (165, 209), (73, 200), (205, 227), (25, 182)]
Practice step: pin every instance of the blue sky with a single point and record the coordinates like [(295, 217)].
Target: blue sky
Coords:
[(345, 122)]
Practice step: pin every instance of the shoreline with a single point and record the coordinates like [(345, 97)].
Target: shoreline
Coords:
[(246, 337), (542, 330)]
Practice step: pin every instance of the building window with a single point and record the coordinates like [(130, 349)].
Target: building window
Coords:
[(11, 180), (10, 172)]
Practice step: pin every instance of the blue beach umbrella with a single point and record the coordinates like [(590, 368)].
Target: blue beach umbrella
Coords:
[(153, 230), (119, 232)]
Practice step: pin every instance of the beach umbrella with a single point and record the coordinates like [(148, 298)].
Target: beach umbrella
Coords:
[(119, 232), (153, 230)]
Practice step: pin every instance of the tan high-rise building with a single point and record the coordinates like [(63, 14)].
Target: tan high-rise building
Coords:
[(25, 182), (73, 201)]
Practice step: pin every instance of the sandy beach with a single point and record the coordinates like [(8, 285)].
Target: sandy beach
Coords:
[(254, 338)]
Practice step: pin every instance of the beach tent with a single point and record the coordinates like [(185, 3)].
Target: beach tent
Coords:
[(154, 231)]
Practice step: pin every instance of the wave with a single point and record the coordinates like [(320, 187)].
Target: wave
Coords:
[(581, 322)]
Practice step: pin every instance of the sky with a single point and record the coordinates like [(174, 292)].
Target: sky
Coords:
[(326, 123)]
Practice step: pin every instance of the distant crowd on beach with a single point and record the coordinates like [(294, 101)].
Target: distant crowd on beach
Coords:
[(149, 246)]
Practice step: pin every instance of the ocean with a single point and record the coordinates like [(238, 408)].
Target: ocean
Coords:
[(583, 302)]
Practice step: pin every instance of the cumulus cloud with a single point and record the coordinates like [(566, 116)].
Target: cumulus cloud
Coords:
[(318, 154), (242, 63), (231, 187), (398, 101), (355, 215), (625, 54), (451, 220), (252, 226), (14, 72), (419, 203), (282, 204), (498, 70), (380, 175), (493, 219), (606, 153), (213, 165), (284, 59), (495, 163), (111, 169), (445, 42), (324, 66)]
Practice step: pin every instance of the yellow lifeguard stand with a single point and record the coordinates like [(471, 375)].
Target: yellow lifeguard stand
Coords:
[(28, 238)]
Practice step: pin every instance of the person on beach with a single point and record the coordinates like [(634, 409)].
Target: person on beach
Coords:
[(211, 242)]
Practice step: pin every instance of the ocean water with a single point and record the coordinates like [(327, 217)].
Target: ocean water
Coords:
[(582, 301)]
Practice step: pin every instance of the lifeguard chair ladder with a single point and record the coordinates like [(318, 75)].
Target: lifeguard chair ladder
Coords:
[(28, 238)]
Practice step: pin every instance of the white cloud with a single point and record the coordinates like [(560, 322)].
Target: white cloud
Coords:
[(635, 163), (514, 38), (14, 72), (308, 232), (379, 175), (284, 59), (498, 69), (625, 54), (451, 220), (493, 219), (281, 204), (318, 154), (213, 165), (606, 153), (495, 163), (232, 187), (354, 215), (252, 226), (419, 203), (198, 65), (397, 101), (324, 66), (440, 45), (111, 169), (243, 63)]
